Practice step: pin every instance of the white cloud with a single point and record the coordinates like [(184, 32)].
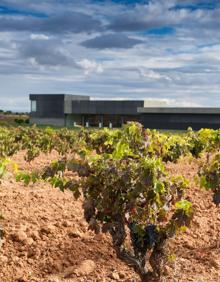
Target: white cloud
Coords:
[(39, 36), (90, 66), (153, 75), (181, 68)]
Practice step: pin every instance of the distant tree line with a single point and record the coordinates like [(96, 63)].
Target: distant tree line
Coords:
[(13, 113), (21, 119)]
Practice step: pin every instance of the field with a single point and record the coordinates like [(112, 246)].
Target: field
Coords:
[(11, 119), (46, 236)]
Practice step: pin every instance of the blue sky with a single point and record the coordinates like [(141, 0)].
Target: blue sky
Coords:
[(166, 52)]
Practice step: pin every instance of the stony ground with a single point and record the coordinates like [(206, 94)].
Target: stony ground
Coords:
[(46, 237)]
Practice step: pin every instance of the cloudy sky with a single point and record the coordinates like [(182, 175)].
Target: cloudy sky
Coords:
[(159, 50)]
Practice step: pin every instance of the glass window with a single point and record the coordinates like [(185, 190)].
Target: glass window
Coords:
[(33, 106)]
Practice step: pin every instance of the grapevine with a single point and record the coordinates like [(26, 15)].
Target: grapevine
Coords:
[(209, 177), (124, 188), (122, 178)]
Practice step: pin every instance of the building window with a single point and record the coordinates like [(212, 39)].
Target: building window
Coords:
[(33, 106)]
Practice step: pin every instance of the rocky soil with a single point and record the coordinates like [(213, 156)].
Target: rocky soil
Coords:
[(46, 238)]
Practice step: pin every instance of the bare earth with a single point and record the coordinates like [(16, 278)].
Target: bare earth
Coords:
[(46, 237)]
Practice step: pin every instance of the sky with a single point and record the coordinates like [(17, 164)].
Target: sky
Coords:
[(164, 51)]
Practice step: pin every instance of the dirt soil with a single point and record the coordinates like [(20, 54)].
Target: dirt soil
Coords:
[(46, 238)]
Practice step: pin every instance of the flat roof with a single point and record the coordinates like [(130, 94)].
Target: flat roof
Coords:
[(180, 110), (33, 96)]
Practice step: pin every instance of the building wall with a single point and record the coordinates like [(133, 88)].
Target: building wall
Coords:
[(54, 105), (180, 121), (68, 101), (48, 121), (48, 106), (106, 107), (64, 110), (71, 119)]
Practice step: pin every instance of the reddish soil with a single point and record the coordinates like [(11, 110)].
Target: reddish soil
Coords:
[(46, 237)]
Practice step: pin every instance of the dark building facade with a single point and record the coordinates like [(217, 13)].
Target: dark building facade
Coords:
[(70, 110), (180, 118), (52, 109)]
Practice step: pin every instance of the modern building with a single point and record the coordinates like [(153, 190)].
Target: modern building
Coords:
[(69, 110)]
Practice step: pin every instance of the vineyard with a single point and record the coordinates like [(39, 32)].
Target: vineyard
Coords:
[(128, 204)]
